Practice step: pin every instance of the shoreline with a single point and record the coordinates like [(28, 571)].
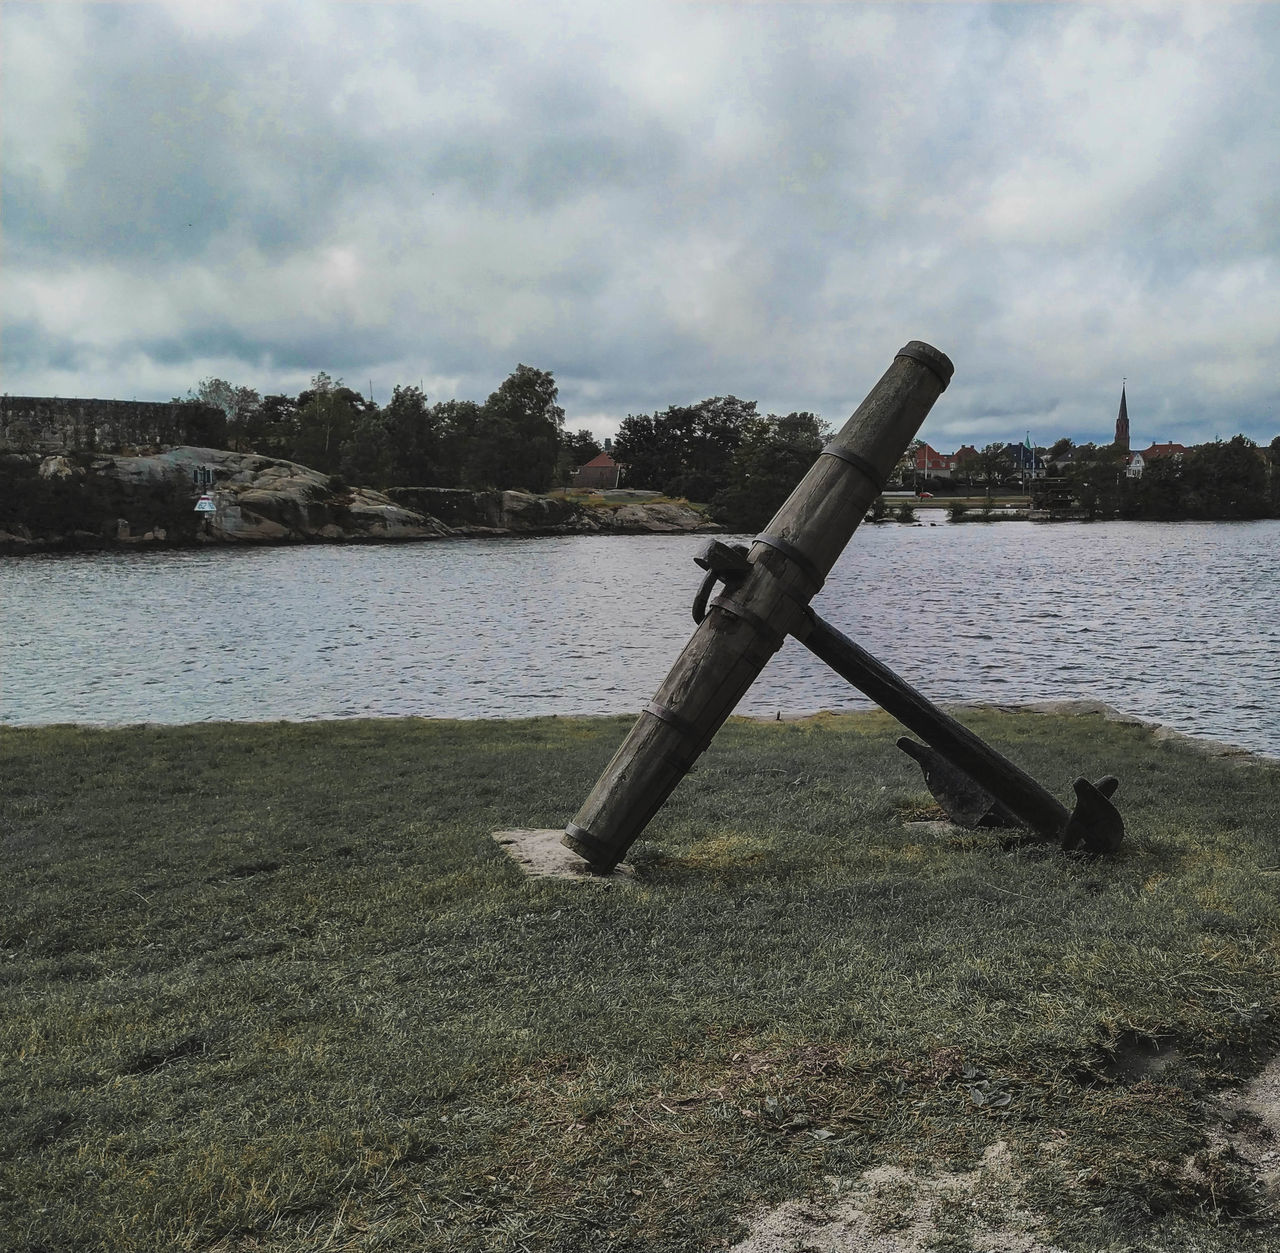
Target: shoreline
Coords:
[(1202, 745)]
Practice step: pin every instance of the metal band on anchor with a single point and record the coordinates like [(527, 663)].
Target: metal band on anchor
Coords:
[(753, 620), (796, 557), (672, 719), (929, 356), (587, 845), (858, 463)]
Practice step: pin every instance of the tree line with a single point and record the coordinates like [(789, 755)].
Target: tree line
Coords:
[(515, 439), (1228, 479), (719, 452)]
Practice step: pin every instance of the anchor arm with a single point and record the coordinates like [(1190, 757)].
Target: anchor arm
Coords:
[(1016, 789), (973, 782), (1095, 825)]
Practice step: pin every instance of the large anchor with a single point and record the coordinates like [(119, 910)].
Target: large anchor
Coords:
[(766, 597)]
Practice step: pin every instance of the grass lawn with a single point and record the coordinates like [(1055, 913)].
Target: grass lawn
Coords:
[(272, 987)]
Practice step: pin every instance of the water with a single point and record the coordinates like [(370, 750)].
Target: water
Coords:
[(1174, 622)]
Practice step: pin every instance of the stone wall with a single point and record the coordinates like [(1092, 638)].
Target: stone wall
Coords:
[(52, 424)]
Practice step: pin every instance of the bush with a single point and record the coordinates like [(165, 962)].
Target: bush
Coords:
[(956, 510), (906, 512)]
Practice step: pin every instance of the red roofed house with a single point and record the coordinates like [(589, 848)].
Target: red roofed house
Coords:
[(929, 460), (1156, 452), (602, 472), (940, 465)]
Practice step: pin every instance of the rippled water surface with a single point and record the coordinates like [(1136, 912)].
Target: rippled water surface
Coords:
[(1176, 622)]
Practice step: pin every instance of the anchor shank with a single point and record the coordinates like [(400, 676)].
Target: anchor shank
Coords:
[(1019, 792), (787, 565)]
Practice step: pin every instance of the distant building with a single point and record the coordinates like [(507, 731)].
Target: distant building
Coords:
[(1156, 451), (1122, 423), (1027, 462), (1138, 461), (932, 464), (601, 472)]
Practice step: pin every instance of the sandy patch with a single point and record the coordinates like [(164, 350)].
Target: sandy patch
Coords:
[(889, 1210), (1242, 1160)]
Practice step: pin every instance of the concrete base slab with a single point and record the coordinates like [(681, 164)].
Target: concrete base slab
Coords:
[(539, 853), (934, 826)]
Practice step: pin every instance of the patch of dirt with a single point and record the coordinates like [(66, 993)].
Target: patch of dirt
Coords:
[(1133, 1058), (890, 1210), (1239, 1171)]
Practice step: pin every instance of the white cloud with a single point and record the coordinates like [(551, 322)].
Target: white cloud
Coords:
[(657, 203)]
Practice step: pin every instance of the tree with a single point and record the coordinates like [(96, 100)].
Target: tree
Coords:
[(650, 449), (992, 465), (415, 440), (366, 458), (773, 456), (581, 447), (517, 441), (686, 450), (1160, 492), (713, 429), (272, 429), (457, 422), (1058, 447), (904, 471), (1225, 480), (238, 404), (1096, 477), (326, 420)]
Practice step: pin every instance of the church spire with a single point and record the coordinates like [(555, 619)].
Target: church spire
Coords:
[(1122, 422)]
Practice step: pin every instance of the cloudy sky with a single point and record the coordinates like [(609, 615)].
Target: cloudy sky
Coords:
[(657, 203)]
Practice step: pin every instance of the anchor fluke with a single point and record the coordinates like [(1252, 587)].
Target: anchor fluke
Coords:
[(963, 801), (1095, 825)]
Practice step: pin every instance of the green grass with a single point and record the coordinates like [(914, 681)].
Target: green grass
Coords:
[(272, 987)]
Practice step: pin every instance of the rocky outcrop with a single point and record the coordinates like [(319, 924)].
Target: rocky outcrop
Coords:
[(662, 517), (85, 500), (81, 500), (522, 513), (495, 513)]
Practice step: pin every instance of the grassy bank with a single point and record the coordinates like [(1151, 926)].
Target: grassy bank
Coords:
[(272, 987)]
